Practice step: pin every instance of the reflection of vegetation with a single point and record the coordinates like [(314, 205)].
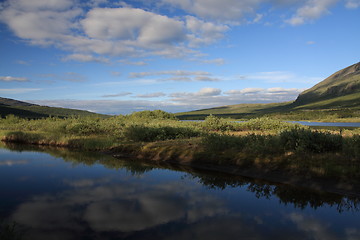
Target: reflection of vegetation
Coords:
[(85, 158), (287, 194), (10, 231)]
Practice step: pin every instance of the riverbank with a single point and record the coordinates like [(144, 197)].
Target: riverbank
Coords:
[(263, 148)]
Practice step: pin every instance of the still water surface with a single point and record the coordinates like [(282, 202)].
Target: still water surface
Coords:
[(59, 194)]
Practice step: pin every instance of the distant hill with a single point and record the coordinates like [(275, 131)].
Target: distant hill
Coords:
[(338, 93), (29, 110), (343, 83)]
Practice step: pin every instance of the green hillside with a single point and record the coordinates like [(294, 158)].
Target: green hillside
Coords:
[(342, 83), (336, 97), (29, 110)]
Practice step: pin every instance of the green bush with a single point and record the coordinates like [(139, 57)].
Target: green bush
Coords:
[(143, 133), (306, 140), (151, 115), (265, 124), (217, 142), (213, 123), (251, 144), (351, 146)]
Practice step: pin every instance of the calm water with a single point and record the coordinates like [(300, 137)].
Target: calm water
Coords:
[(58, 194), (328, 124)]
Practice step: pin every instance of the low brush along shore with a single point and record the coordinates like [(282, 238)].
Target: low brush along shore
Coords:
[(264, 149)]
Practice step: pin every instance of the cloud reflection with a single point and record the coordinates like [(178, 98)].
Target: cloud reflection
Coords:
[(121, 207)]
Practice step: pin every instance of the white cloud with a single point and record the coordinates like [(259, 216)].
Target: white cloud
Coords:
[(204, 32), (87, 30), (13, 79), (245, 91), (137, 63), (181, 73), (39, 25), (179, 101), (18, 90), (116, 31), (225, 10), (209, 92), (352, 4), (151, 95), (43, 4), (85, 58), (177, 75), (217, 61), (207, 79), (122, 94), (311, 10), (132, 24)]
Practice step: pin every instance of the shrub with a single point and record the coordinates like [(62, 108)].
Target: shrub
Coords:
[(351, 146), (148, 134), (217, 142), (265, 124), (306, 140), (150, 115), (213, 123)]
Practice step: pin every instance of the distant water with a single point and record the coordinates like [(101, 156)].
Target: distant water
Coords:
[(313, 124), (60, 194), (328, 124)]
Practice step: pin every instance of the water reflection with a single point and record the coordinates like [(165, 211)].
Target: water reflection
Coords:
[(130, 200)]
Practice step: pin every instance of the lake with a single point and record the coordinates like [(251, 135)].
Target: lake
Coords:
[(328, 124), (52, 193)]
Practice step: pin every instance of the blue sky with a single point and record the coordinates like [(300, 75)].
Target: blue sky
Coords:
[(116, 57)]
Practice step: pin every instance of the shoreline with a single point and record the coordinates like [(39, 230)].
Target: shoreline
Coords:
[(286, 168), (279, 176)]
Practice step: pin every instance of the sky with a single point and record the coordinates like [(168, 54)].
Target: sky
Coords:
[(117, 57)]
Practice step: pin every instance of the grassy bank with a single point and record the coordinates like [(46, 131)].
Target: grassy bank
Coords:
[(264, 144)]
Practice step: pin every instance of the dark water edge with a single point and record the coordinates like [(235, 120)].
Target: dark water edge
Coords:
[(53, 193)]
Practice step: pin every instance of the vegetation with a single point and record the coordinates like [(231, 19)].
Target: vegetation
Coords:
[(262, 143)]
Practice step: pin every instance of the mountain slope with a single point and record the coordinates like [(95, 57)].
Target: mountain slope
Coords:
[(337, 94), (29, 110), (339, 84)]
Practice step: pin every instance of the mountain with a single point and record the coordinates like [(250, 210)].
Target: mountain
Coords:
[(33, 111), (340, 84), (338, 94)]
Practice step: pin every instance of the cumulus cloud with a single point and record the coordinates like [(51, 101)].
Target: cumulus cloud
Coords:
[(85, 58), (204, 32), (226, 10), (13, 79), (132, 24), (209, 92), (88, 30), (311, 10), (117, 31)]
